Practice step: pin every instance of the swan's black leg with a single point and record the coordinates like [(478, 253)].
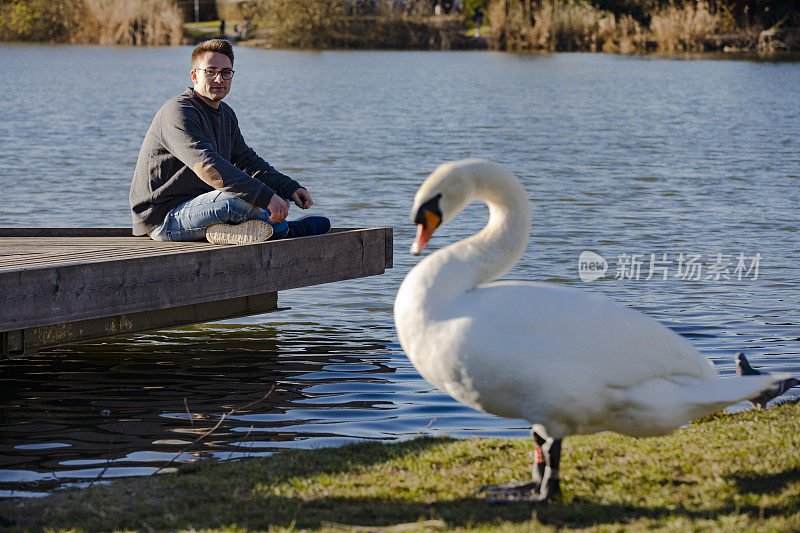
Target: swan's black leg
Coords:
[(539, 462), (544, 485), (550, 484)]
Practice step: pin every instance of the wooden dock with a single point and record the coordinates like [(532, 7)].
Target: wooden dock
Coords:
[(62, 285)]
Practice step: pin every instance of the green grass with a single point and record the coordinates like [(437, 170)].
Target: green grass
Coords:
[(202, 30), (727, 472)]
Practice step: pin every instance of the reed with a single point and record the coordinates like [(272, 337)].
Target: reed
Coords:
[(133, 22), (511, 24), (557, 25), (570, 26), (624, 35), (679, 28)]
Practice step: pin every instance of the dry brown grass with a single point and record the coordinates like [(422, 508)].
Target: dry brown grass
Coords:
[(571, 26), (562, 25), (577, 25), (623, 35), (510, 24), (132, 22), (681, 28)]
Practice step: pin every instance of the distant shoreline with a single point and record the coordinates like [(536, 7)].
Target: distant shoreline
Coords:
[(723, 52), (781, 42), (733, 46), (556, 26), (729, 54)]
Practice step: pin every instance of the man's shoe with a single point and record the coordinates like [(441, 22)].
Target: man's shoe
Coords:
[(307, 226), (248, 232)]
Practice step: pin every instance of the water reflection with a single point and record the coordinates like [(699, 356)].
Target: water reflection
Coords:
[(130, 406)]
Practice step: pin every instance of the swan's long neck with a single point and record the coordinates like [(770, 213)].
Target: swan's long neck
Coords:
[(485, 256)]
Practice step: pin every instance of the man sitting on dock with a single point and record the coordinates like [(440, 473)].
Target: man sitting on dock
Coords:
[(196, 178)]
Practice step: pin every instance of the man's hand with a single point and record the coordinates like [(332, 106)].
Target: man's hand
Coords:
[(278, 209), (302, 198)]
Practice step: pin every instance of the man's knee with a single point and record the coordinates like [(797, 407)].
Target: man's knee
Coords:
[(238, 210)]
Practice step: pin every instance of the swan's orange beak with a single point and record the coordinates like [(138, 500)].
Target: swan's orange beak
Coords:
[(425, 231)]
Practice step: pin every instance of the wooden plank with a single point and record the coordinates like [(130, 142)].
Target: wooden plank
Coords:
[(205, 273), (19, 342), (86, 232), (54, 258), (66, 232), (26, 252)]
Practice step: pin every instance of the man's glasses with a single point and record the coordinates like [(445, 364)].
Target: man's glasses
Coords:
[(212, 73)]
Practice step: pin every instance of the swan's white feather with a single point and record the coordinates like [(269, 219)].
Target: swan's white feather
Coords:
[(569, 360)]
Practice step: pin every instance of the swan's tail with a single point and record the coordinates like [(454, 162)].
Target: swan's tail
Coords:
[(781, 385), (709, 397), (661, 405)]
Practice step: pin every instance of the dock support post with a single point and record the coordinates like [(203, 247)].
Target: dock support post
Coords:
[(13, 343)]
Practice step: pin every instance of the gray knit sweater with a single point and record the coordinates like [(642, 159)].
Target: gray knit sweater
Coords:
[(190, 149)]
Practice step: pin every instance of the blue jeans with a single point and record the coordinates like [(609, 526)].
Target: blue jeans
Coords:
[(188, 221)]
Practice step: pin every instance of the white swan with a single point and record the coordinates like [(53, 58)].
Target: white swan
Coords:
[(568, 361)]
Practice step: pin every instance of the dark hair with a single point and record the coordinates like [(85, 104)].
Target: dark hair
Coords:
[(222, 46)]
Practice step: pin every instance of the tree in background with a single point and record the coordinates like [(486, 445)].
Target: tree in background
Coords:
[(298, 23), (34, 20)]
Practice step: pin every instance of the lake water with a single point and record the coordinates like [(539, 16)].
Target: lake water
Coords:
[(631, 158)]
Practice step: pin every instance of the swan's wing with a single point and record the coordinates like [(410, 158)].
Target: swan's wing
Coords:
[(573, 361), (558, 346), (577, 330)]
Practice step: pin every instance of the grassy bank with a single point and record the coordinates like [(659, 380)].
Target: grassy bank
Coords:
[(728, 472)]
